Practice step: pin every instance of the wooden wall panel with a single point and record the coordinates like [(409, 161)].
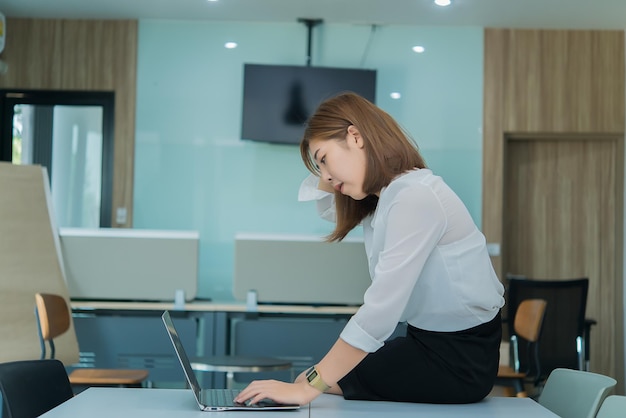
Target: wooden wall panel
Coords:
[(563, 81), (554, 85), (88, 55), (493, 102), (32, 51), (123, 40)]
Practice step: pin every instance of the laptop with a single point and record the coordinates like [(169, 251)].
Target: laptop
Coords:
[(213, 399)]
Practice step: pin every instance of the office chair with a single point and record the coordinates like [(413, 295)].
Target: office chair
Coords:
[(564, 342), (575, 393), (527, 325), (53, 320), (614, 406), (32, 387)]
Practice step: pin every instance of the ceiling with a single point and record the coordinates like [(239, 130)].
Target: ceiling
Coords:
[(543, 14)]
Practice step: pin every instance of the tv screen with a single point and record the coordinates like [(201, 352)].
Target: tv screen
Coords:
[(278, 99)]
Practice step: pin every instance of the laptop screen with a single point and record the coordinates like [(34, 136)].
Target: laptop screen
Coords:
[(181, 353)]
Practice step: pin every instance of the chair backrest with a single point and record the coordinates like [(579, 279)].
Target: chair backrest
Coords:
[(614, 406), (33, 387), (529, 319), (575, 393), (528, 325), (53, 319), (563, 323)]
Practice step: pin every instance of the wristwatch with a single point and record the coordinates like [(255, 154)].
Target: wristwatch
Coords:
[(315, 379)]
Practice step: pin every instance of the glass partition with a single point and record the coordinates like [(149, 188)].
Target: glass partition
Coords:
[(69, 133)]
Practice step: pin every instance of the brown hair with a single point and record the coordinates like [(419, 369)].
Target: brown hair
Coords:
[(389, 149)]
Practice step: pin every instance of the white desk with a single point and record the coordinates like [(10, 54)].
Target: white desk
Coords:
[(157, 403), (329, 406), (145, 403)]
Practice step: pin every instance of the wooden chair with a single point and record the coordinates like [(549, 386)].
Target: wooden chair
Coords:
[(32, 387), (53, 319), (527, 325)]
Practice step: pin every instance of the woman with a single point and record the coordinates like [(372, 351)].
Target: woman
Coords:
[(427, 259)]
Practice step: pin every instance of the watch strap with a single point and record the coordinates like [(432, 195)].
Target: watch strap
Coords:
[(315, 379)]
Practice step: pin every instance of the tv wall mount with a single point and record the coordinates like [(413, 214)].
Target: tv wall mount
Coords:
[(310, 24)]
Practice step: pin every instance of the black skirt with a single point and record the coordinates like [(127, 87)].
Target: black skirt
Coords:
[(430, 367)]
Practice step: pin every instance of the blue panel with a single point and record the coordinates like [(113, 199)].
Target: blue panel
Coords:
[(113, 341)]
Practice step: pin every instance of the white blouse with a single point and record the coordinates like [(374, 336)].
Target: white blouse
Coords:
[(427, 259)]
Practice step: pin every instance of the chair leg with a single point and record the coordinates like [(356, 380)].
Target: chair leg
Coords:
[(520, 392)]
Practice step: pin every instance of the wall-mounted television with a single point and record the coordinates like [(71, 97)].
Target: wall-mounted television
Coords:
[(278, 99)]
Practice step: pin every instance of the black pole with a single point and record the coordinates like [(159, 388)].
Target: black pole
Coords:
[(310, 24)]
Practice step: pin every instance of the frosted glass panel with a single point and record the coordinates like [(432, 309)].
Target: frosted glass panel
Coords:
[(77, 165), (73, 153)]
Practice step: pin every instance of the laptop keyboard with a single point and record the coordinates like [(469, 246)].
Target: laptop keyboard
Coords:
[(221, 397)]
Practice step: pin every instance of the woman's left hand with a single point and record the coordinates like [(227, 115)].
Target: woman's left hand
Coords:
[(300, 393)]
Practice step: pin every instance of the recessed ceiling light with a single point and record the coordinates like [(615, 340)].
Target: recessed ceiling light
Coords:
[(442, 2), (419, 49), (395, 95), (230, 45), (211, 1)]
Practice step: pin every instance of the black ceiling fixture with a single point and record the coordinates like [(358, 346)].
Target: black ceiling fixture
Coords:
[(310, 24)]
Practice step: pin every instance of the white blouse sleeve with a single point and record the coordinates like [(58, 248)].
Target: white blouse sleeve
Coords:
[(412, 225), (325, 201)]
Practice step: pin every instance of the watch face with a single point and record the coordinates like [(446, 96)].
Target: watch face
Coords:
[(311, 375)]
